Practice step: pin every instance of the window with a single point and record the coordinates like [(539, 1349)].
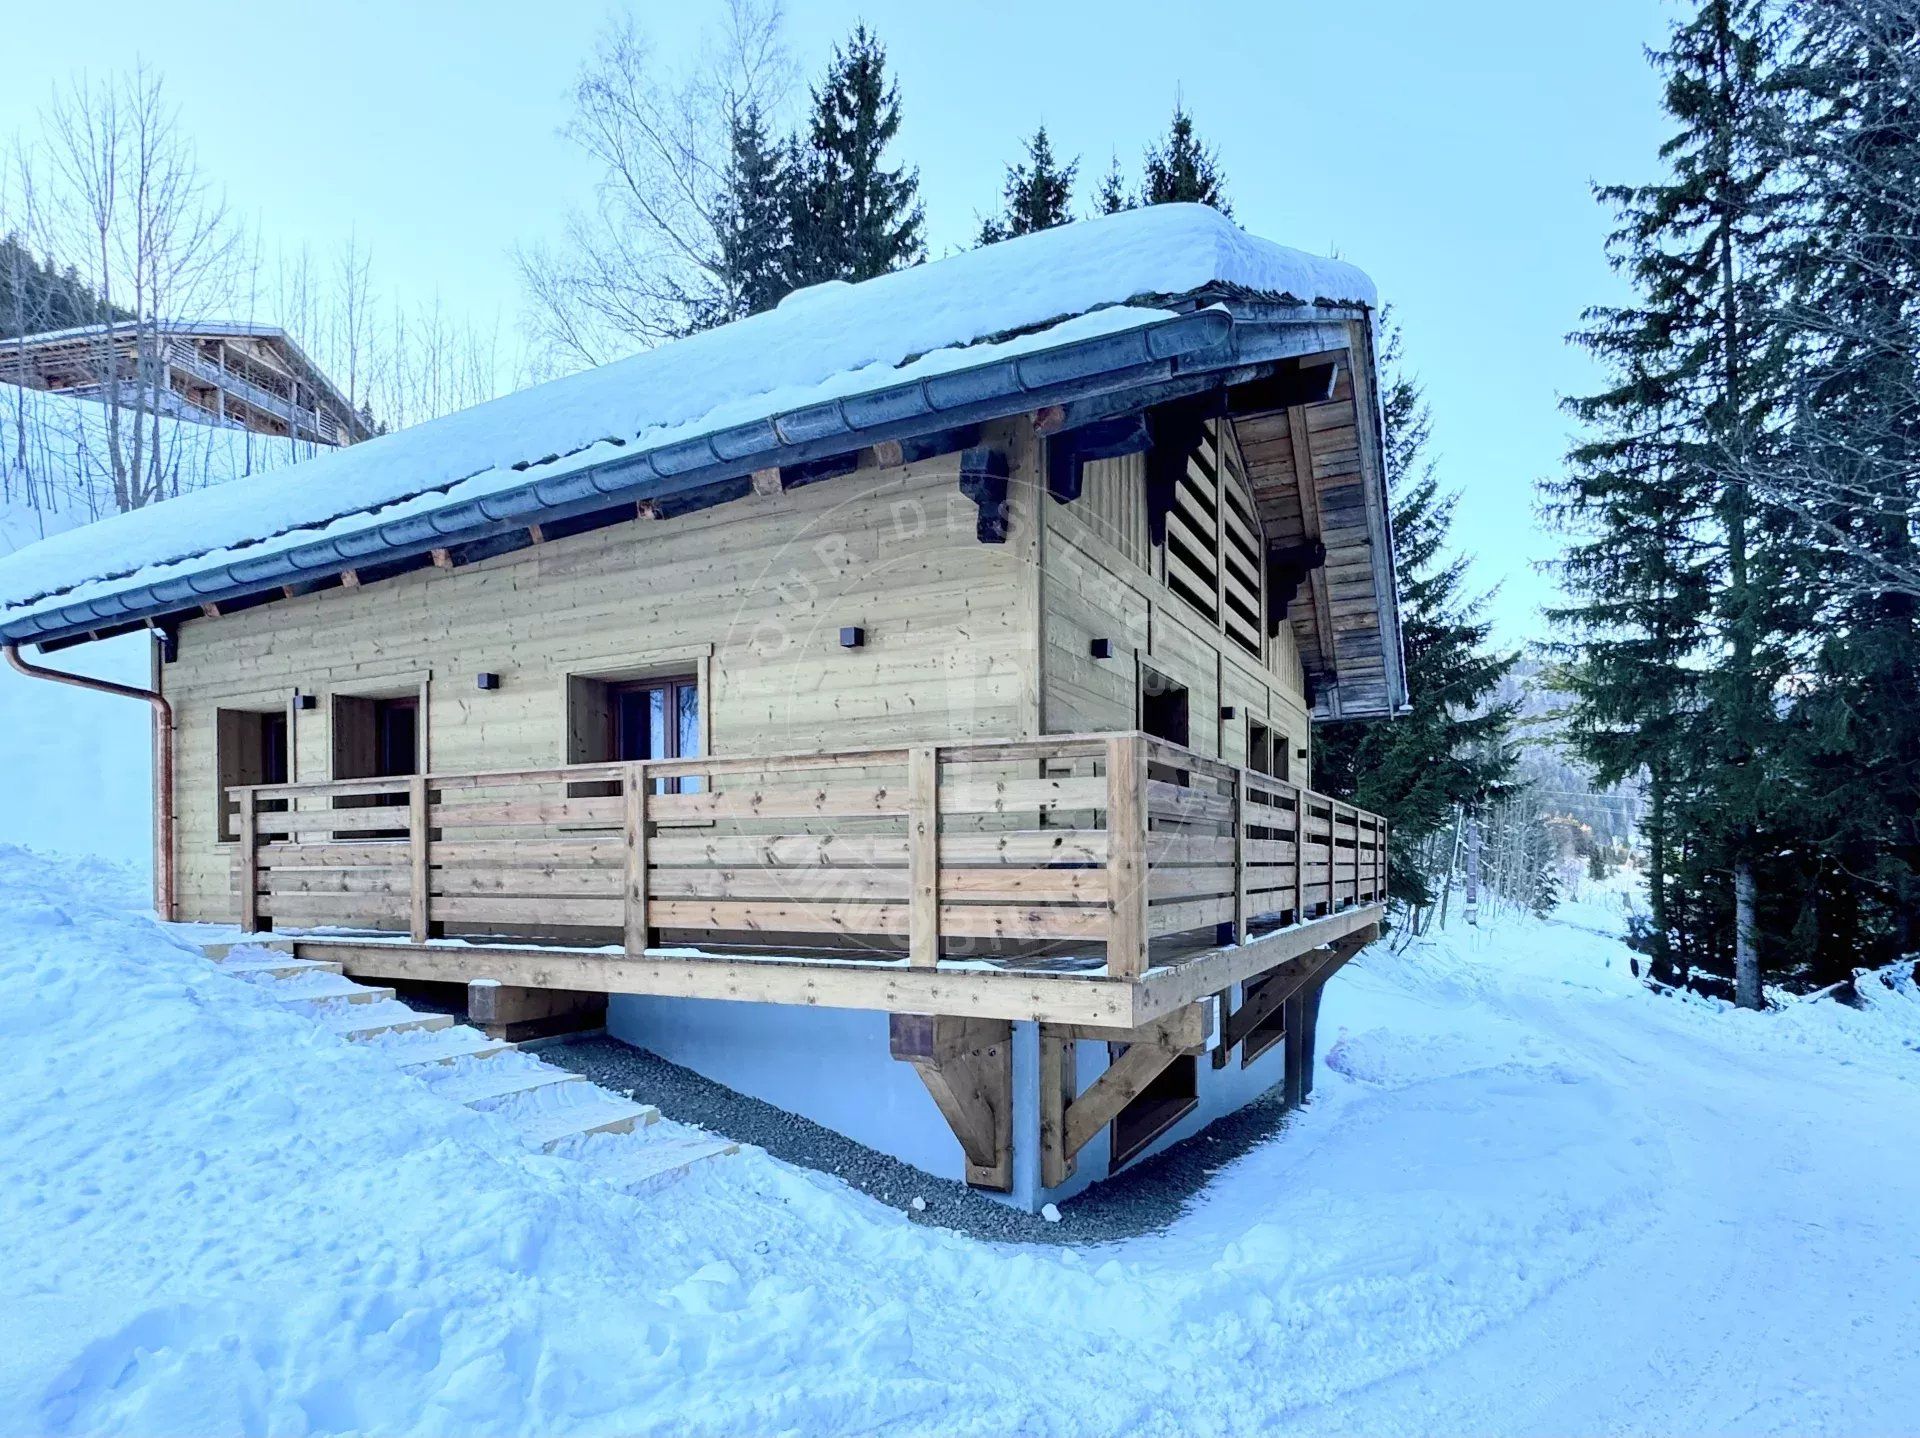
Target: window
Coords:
[(1270, 1030), (377, 738), (1163, 707), (1173, 1094), (251, 748), (1259, 748), (1266, 751), (636, 719)]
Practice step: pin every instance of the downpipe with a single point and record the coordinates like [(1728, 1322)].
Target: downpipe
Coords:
[(163, 896)]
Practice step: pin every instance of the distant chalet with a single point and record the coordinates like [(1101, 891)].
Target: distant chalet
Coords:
[(248, 376)]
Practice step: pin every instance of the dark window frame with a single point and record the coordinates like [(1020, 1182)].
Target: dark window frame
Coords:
[(251, 746)]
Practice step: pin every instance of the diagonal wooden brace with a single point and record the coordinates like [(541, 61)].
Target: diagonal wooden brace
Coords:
[(1150, 1048), (967, 1066), (1284, 981)]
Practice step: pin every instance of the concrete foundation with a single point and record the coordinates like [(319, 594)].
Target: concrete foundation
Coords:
[(833, 1066)]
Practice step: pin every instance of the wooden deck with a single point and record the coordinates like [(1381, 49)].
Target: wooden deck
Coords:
[(1101, 879)]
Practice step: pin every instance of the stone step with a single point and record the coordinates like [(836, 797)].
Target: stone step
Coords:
[(302, 990), (246, 949), (556, 1113), (445, 1046), (497, 1081), (283, 966), (360, 1022), (647, 1159)]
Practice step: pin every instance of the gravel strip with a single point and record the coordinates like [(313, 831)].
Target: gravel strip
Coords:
[(1143, 1198)]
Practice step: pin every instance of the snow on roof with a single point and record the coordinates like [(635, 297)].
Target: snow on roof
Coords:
[(232, 329), (1095, 277)]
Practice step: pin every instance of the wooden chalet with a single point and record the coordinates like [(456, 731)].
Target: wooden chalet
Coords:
[(899, 704), (249, 376)]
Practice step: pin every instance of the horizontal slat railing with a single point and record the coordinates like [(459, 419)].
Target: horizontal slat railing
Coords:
[(1078, 845)]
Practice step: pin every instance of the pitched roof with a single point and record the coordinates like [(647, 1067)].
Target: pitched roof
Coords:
[(1012, 324), (196, 329)]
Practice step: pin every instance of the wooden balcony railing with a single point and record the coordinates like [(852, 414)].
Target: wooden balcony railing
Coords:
[(1087, 847)]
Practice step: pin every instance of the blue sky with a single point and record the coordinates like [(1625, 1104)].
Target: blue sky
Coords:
[(1447, 149)]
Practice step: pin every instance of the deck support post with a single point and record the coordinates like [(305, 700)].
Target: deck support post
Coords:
[(418, 924), (247, 860), (1127, 856), (1298, 1059), (923, 855), (967, 1066), (1309, 1023), (1057, 1084), (514, 1012), (633, 789)]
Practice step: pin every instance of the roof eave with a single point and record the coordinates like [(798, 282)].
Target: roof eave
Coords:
[(1218, 337)]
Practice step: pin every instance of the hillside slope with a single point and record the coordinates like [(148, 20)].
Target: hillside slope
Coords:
[(80, 767), (1528, 1198)]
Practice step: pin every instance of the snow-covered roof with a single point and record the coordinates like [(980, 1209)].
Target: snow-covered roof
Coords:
[(747, 391), (211, 329)]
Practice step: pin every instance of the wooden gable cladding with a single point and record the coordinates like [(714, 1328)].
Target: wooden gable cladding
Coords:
[(1308, 466)]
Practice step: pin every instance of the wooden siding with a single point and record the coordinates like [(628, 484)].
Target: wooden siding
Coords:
[(754, 592), (1101, 580), (1336, 619)]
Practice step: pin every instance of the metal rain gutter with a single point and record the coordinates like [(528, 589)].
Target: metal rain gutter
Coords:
[(1201, 341)]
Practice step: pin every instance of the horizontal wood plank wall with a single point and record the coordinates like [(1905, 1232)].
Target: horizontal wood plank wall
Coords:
[(764, 583), (1093, 588)]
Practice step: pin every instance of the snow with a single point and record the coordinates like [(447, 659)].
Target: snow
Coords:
[(81, 773), (1528, 1197), (1078, 281)]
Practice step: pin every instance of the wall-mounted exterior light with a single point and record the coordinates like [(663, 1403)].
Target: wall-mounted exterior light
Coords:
[(486, 681), (1101, 649), (853, 637)]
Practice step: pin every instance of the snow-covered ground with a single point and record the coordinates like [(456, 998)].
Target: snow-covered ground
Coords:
[(1527, 1197), (80, 777)]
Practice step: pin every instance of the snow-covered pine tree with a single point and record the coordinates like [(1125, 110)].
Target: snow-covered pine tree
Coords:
[(1183, 167), (852, 216), (1451, 749), (1112, 197), (1037, 195), (1701, 248)]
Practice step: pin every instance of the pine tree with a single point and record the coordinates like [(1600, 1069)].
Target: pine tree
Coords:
[(1183, 168), (1112, 197), (851, 216), (1851, 470), (1640, 583), (1694, 400), (36, 295), (753, 223), (1451, 749), (1038, 193)]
